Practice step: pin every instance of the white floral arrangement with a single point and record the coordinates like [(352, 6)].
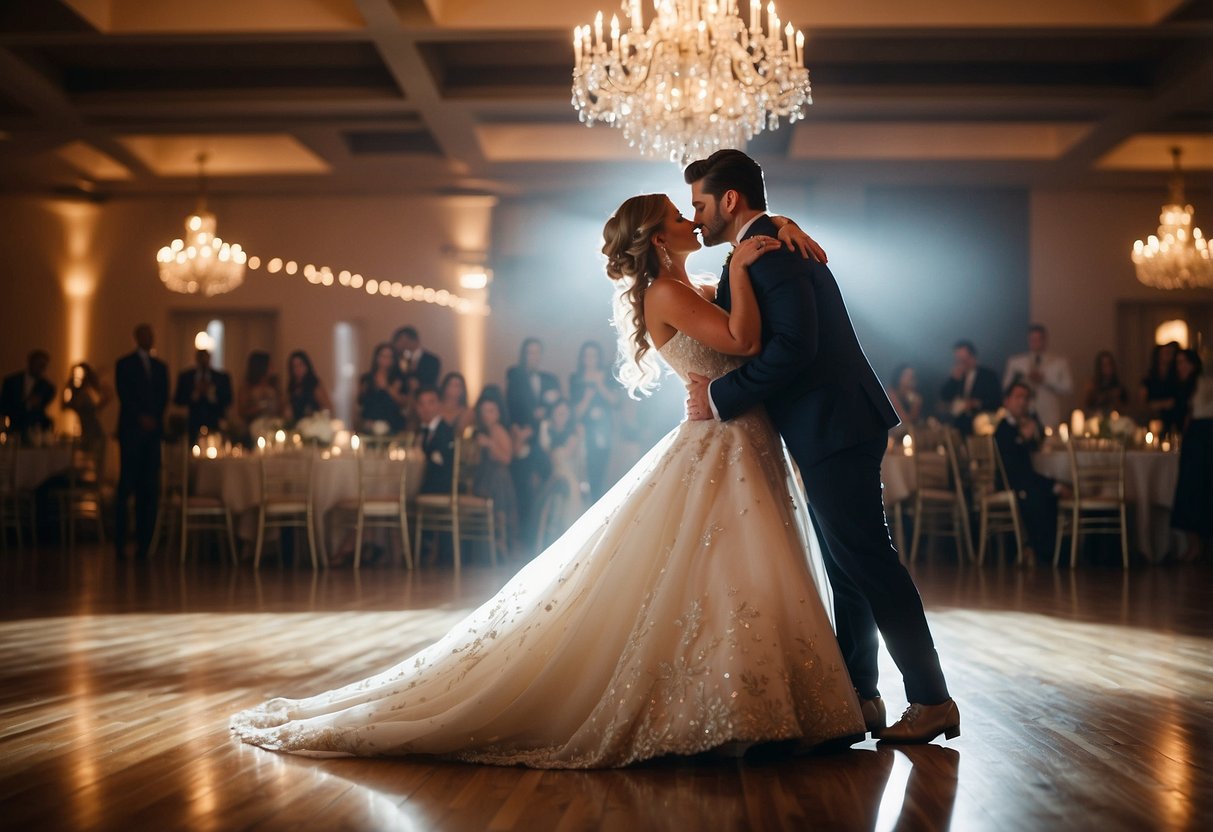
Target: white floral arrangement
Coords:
[(1114, 426), (381, 427), (319, 428)]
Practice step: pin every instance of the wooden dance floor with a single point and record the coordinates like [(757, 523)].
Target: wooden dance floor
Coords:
[(1086, 699)]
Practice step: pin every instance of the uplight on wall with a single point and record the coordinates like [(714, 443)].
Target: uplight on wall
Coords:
[(475, 277)]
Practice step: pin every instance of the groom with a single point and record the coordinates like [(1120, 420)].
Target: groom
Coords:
[(834, 416)]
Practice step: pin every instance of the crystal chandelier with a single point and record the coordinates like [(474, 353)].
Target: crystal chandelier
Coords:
[(1178, 256), (698, 79), (201, 263)]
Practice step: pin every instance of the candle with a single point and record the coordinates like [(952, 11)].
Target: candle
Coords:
[(212, 452), (637, 20), (279, 436), (598, 29), (755, 6), (1063, 431), (907, 444), (1149, 438), (1076, 423), (799, 48), (577, 46), (355, 442), (197, 451), (261, 443), (1166, 445), (615, 29)]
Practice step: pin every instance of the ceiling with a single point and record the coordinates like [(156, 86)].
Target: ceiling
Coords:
[(118, 97)]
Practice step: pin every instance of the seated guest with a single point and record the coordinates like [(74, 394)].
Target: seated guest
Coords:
[(453, 400), (258, 397), (492, 478), (904, 395), (1160, 388), (205, 393), (1104, 392), (86, 395), (26, 394), (380, 394), (1192, 511), (970, 388), (304, 391), (1047, 374), (437, 439), (1018, 435), (417, 366)]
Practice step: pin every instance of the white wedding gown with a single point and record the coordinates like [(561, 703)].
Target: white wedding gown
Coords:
[(679, 613)]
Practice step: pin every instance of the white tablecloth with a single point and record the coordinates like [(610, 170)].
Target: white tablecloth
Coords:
[(1149, 488), (35, 466)]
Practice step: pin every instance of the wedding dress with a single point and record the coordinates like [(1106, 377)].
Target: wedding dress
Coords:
[(679, 613)]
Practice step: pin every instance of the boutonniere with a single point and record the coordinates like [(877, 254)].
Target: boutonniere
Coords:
[(728, 258)]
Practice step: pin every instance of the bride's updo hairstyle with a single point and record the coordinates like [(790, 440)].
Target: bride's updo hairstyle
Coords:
[(632, 263)]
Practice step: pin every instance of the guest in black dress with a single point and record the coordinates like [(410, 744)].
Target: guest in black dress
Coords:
[(305, 392), (380, 395), (1160, 388), (1104, 392), (1192, 509), (453, 401), (595, 399)]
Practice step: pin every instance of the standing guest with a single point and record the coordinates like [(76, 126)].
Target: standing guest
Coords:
[(26, 394), (594, 400), (970, 388), (86, 395), (453, 401), (1018, 435), (417, 366), (1192, 511), (1047, 374), (259, 397), (1104, 392), (529, 390), (380, 394), (437, 439), (1188, 368), (560, 436), (142, 382), (1160, 388), (304, 391), (492, 478), (205, 393), (904, 395)]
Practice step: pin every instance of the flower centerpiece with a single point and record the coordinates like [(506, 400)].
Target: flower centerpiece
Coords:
[(319, 428)]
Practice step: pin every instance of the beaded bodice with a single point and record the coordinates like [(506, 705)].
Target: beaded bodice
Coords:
[(685, 355)]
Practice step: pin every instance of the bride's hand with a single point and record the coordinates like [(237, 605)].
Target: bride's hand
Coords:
[(795, 239), (751, 249)]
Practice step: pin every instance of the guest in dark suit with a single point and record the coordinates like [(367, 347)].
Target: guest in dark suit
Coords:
[(142, 382), (529, 392), (833, 414), (26, 394), (970, 388), (416, 366), (205, 393), (437, 439), (1018, 435)]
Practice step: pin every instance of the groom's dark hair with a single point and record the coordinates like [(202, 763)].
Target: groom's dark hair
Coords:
[(730, 170)]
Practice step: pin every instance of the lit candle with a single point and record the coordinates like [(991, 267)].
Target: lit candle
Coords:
[(197, 451), (907, 444), (577, 46), (598, 29), (1166, 445), (279, 437), (1063, 430), (615, 29), (637, 20), (755, 12), (1149, 438), (212, 452), (799, 48), (1076, 423), (772, 21), (791, 50), (355, 442), (261, 444)]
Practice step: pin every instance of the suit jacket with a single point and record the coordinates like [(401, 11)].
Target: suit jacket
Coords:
[(985, 390), (426, 370), (521, 398), (140, 393), (1057, 382), (439, 450), (1016, 453), (14, 404), (812, 374), (208, 410)]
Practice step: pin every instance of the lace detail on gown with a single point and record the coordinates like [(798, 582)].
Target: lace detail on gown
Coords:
[(679, 612)]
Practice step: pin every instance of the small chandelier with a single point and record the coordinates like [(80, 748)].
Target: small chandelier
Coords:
[(698, 79), (1178, 256), (201, 263)]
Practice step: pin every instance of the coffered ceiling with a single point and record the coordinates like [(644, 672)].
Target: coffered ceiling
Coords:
[(118, 97)]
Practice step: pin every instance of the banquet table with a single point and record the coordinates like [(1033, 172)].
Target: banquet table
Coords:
[(34, 466), (237, 481), (1150, 478)]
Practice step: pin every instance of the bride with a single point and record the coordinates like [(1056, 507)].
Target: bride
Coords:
[(681, 612)]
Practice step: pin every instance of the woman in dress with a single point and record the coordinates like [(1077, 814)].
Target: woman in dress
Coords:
[(594, 401), (305, 392), (85, 394), (1192, 507), (381, 397), (678, 614), (904, 395), (1104, 392), (258, 397), (1160, 389), (562, 438), (492, 477), (453, 399)]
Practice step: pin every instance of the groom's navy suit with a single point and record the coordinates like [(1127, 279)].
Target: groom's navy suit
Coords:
[(834, 416)]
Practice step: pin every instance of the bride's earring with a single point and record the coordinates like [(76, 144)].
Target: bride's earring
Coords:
[(664, 256)]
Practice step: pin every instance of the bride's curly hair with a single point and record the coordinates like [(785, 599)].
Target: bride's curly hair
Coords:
[(632, 263)]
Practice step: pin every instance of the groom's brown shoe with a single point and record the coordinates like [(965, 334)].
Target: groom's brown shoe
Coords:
[(874, 717), (923, 723)]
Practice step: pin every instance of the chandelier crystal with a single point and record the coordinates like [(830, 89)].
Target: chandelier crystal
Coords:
[(200, 262), (698, 79), (1177, 257)]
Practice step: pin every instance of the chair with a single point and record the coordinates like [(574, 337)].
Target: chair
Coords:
[(940, 490), (1098, 504), (287, 499), (997, 506), (193, 512), (17, 505), (82, 497), (382, 501), (460, 513)]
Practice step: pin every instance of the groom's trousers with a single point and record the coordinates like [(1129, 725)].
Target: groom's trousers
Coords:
[(872, 589)]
